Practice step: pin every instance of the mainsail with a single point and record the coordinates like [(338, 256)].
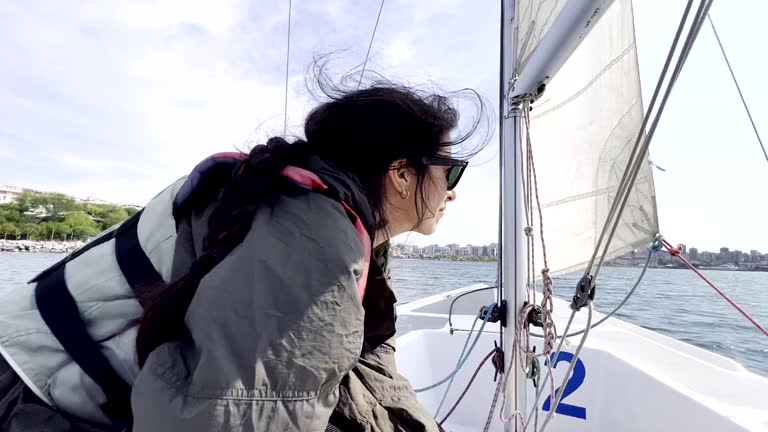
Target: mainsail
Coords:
[(583, 129)]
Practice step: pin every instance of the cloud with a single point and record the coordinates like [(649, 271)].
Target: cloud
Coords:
[(118, 99), (6, 154), (74, 161)]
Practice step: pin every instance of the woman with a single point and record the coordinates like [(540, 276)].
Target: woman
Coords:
[(256, 288)]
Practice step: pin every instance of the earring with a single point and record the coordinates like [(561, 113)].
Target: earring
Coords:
[(405, 194)]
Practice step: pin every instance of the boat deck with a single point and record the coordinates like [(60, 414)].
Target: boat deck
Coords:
[(627, 378)]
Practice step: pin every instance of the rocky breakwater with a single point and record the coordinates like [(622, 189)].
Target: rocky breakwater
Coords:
[(38, 246)]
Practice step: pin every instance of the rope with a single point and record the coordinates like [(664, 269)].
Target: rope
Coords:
[(450, 383), (287, 57), (461, 360), (547, 304), (738, 88), (450, 308), (469, 384), (520, 348), (653, 249), (494, 400), (570, 369), (549, 374), (675, 252), (370, 44)]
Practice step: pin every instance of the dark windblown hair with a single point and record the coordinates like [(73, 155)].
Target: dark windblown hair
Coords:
[(361, 132)]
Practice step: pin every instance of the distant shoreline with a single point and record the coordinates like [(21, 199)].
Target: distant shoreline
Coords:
[(34, 246), (449, 258), (494, 259), (698, 267)]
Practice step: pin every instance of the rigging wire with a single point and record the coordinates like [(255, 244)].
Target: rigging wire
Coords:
[(631, 172), (687, 46), (287, 58), (633, 168), (738, 88), (638, 140), (370, 44)]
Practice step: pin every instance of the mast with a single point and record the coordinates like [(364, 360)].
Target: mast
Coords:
[(511, 236), (573, 23)]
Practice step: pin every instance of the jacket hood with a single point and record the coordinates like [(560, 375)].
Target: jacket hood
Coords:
[(347, 186)]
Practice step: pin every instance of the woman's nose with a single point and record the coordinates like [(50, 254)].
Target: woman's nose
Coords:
[(451, 195)]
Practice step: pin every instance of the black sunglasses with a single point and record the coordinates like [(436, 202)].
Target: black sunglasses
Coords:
[(454, 174)]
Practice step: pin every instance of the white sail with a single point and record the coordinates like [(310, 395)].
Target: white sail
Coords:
[(582, 130)]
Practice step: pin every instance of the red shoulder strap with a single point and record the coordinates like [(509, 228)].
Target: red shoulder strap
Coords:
[(311, 180)]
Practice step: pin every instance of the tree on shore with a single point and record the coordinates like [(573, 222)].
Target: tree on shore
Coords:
[(30, 230), (57, 217), (7, 228)]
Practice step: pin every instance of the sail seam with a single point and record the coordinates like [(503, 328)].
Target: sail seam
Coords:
[(591, 83)]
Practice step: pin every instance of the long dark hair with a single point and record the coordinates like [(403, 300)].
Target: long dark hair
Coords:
[(360, 131)]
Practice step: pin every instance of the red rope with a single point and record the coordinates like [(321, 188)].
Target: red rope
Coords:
[(466, 389), (675, 252)]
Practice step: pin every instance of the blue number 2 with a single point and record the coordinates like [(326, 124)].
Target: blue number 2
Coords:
[(576, 380)]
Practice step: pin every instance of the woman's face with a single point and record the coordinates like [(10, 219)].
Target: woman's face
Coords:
[(419, 207), (436, 197)]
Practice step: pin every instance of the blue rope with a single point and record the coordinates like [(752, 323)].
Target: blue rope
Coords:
[(450, 383), (464, 359)]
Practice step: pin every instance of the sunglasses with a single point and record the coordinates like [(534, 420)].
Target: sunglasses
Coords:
[(453, 175)]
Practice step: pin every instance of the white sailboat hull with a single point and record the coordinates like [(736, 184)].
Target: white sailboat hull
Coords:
[(626, 379)]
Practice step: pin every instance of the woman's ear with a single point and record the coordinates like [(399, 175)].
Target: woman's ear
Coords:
[(400, 176)]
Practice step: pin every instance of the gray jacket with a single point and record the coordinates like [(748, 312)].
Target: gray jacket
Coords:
[(278, 337)]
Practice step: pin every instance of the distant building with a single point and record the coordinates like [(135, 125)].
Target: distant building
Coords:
[(736, 257), (693, 253), (9, 194), (725, 256), (91, 200)]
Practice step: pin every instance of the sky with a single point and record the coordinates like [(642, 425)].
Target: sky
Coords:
[(115, 100)]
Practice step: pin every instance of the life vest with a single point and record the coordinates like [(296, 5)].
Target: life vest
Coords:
[(60, 311)]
